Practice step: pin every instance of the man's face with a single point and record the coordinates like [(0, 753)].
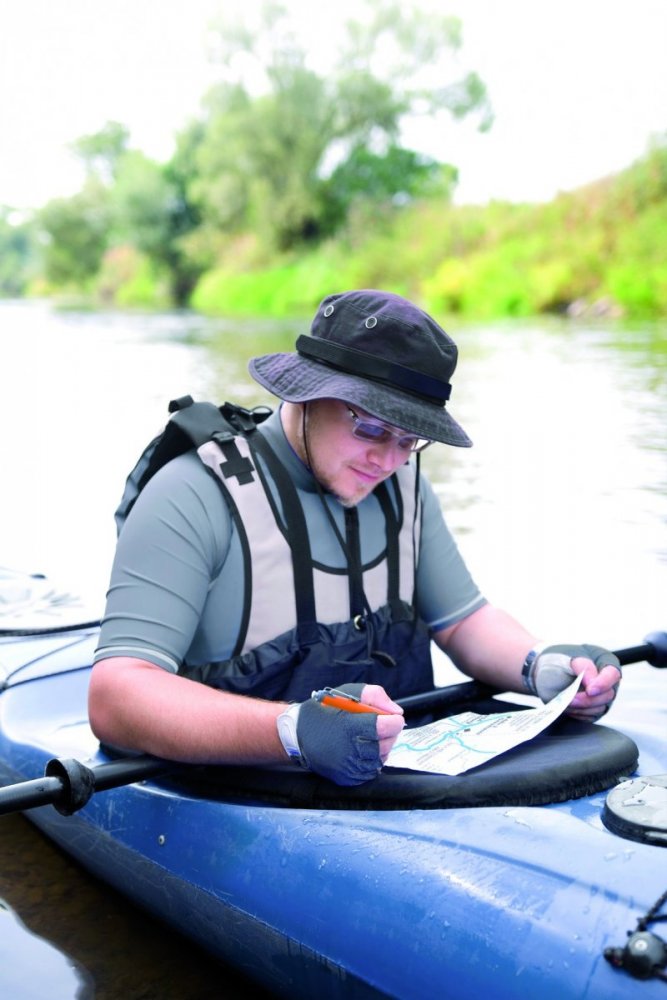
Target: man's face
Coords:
[(345, 465)]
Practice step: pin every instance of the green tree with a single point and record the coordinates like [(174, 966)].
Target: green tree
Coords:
[(127, 201), (275, 130), (149, 212), (142, 202), (100, 152), (76, 231), (396, 178), (17, 254)]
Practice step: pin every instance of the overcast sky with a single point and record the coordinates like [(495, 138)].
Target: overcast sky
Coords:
[(578, 86)]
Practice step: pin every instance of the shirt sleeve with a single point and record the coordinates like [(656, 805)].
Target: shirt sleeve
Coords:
[(173, 543), (446, 592)]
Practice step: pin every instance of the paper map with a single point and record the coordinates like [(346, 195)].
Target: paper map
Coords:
[(454, 745)]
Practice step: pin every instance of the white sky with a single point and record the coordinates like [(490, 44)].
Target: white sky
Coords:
[(578, 86)]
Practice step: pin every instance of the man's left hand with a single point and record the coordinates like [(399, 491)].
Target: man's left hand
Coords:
[(555, 667)]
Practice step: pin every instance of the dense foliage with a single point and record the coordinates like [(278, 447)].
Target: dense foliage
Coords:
[(18, 254), (599, 250)]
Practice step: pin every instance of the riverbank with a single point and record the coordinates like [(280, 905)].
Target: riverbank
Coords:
[(596, 251)]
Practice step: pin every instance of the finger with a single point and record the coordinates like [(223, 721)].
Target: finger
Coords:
[(392, 726), (582, 665), (386, 747), (591, 714), (595, 682), (584, 706), (608, 679), (376, 696), (389, 726), (585, 699)]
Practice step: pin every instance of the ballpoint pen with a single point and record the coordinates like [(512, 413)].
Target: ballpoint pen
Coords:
[(347, 702)]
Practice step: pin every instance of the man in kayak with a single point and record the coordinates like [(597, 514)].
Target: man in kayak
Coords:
[(311, 553)]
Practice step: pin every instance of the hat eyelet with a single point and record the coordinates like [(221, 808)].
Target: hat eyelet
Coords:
[(371, 322), (328, 310)]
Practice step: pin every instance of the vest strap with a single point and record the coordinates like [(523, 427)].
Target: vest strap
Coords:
[(297, 533), (392, 529)]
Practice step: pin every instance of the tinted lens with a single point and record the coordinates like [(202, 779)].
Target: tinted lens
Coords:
[(382, 435), (370, 432), (366, 430)]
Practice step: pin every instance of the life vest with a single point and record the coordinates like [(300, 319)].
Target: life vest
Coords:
[(190, 425), (303, 627)]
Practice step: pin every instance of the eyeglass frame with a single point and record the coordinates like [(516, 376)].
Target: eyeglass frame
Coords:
[(416, 444)]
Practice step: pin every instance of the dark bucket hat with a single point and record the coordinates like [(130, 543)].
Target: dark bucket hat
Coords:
[(378, 351)]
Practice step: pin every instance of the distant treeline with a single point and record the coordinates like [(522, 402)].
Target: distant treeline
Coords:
[(278, 195)]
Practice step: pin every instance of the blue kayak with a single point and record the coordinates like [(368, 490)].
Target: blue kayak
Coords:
[(317, 891)]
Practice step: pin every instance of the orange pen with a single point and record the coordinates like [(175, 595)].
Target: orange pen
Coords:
[(346, 702)]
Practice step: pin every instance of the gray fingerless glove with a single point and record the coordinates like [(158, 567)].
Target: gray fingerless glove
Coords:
[(342, 746), (548, 671)]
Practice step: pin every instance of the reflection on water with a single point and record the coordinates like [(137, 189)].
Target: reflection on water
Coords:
[(560, 509), (119, 951), (32, 968)]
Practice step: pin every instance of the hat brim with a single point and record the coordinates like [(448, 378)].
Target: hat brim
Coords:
[(298, 380)]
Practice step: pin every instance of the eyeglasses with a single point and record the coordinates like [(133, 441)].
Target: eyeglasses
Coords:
[(367, 429)]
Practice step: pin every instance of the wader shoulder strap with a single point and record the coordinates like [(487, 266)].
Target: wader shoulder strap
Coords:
[(297, 538), (392, 530), (358, 602)]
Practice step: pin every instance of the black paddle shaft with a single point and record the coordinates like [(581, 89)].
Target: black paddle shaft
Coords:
[(68, 784), (653, 650)]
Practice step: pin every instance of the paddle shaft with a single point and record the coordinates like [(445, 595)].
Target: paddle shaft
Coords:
[(648, 652), (653, 650), (68, 784)]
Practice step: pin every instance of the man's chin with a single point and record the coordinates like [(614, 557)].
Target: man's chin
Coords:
[(353, 495), (354, 498)]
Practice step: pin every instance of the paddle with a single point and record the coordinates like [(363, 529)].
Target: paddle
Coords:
[(653, 650), (68, 784)]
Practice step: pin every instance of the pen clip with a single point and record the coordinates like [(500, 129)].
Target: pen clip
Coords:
[(335, 692)]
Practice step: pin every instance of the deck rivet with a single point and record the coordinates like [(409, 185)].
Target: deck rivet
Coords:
[(161, 839)]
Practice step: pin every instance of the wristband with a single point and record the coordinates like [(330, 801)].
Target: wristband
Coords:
[(527, 668), (286, 723)]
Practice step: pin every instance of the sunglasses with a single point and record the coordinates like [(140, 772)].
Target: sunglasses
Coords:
[(367, 429)]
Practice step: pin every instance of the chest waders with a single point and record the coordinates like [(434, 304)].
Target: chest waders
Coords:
[(387, 646)]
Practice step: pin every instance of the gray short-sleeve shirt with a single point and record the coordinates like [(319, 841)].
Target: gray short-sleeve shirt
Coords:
[(176, 592)]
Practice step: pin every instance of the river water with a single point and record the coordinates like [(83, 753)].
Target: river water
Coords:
[(560, 509)]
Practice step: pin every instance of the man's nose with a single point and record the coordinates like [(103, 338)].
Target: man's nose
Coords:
[(387, 455)]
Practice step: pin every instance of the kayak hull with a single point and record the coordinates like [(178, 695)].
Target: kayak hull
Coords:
[(508, 901)]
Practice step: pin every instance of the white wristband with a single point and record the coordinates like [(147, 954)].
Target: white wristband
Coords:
[(286, 723)]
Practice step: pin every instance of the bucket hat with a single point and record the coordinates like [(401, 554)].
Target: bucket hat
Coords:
[(378, 351)]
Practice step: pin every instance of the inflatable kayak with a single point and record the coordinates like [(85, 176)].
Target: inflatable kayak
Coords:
[(541, 873)]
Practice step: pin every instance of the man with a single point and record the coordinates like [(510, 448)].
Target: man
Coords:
[(311, 554)]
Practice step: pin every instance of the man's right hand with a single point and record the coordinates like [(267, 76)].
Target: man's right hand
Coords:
[(348, 747)]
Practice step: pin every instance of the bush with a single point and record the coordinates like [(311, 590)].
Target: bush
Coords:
[(129, 279)]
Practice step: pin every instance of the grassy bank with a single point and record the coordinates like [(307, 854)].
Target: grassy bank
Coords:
[(599, 249)]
